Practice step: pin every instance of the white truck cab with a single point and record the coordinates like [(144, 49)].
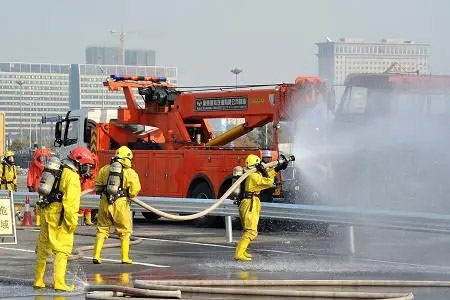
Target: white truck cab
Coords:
[(75, 129)]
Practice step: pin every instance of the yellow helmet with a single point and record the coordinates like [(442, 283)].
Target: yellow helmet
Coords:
[(124, 156), (124, 152), (9, 153), (252, 160)]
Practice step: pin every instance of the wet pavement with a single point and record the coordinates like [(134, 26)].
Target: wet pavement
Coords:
[(172, 250)]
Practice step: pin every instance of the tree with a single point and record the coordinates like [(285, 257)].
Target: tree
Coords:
[(260, 134), (248, 140), (18, 144)]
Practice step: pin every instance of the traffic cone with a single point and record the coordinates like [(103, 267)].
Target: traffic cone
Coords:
[(27, 213)]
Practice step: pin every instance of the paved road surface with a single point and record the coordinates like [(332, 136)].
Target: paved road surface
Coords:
[(182, 251)]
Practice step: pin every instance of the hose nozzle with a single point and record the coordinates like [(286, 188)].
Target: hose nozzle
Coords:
[(286, 158), (290, 158)]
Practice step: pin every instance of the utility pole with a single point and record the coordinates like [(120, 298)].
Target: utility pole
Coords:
[(236, 72), (121, 35), (20, 83)]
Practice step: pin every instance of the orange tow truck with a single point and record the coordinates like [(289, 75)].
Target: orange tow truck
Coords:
[(175, 151)]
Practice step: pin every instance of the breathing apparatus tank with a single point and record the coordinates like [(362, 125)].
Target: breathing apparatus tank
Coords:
[(114, 183), (238, 171), (50, 175)]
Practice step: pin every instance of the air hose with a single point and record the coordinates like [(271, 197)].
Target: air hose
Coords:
[(204, 212)]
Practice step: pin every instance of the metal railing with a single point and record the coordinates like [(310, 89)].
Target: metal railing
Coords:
[(347, 216)]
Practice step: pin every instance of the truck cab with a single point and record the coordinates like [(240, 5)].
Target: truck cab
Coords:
[(369, 96), (388, 143), (74, 130)]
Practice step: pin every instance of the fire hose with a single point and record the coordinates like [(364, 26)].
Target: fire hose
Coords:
[(173, 289), (204, 212), (78, 252), (257, 288)]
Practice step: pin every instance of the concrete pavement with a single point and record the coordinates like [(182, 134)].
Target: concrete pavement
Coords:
[(172, 250)]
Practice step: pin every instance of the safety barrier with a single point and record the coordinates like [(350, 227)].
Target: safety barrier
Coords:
[(412, 221)]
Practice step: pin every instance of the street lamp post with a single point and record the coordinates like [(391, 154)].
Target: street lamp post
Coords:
[(20, 83), (31, 109), (36, 113), (236, 72), (103, 90)]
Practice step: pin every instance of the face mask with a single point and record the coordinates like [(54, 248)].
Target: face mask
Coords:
[(266, 160), (86, 171), (10, 160)]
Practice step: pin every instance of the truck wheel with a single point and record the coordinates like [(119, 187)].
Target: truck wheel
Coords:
[(202, 191), (149, 216)]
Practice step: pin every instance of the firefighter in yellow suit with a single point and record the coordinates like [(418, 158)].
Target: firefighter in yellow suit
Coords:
[(59, 219), (8, 173), (117, 213), (250, 206)]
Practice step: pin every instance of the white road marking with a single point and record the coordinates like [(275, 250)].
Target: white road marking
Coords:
[(258, 250), (89, 257), (211, 245), (17, 249), (299, 253), (185, 242), (134, 262)]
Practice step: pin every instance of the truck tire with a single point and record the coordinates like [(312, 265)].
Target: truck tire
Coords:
[(149, 216), (201, 190)]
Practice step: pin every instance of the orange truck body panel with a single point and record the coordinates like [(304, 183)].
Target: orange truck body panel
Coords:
[(170, 173), (172, 170)]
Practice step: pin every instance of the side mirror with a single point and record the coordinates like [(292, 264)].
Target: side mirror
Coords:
[(58, 132)]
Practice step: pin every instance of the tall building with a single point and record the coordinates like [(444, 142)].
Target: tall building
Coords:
[(140, 57), (29, 91), (111, 56), (87, 90), (338, 59)]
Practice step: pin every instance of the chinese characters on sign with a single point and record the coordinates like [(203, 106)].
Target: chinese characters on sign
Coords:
[(221, 104), (6, 217)]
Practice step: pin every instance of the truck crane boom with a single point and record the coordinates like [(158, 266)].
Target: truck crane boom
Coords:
[(175, 151), (188, 111)]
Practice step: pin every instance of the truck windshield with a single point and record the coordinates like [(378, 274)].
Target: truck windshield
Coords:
[(71, 132), (363, 100)]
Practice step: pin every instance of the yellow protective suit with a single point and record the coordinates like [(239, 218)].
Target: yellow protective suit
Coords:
[(8, 177), (117, 214), (58, 224), (249, 210)]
